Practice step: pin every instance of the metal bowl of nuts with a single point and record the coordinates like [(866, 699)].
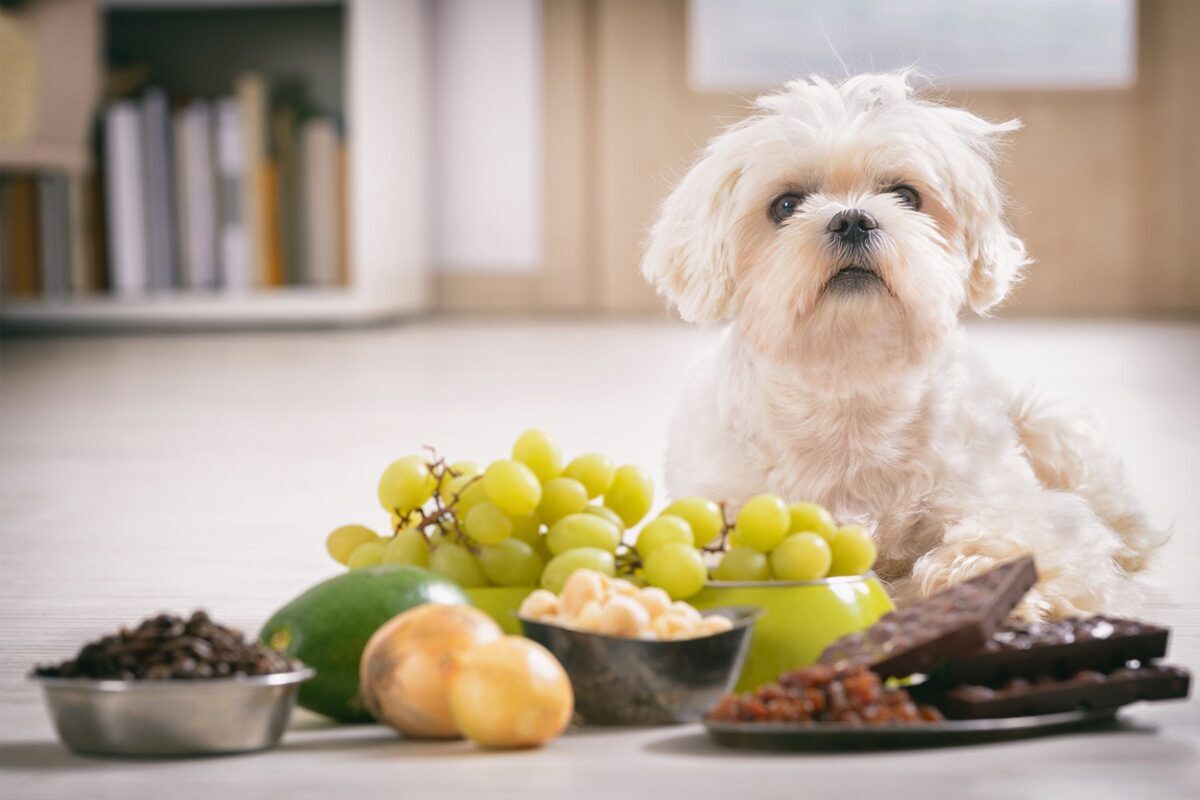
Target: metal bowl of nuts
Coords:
[(172, 687), (620, 680), (635, 657)]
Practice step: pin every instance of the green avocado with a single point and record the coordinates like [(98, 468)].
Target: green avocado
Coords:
[(327, 627)]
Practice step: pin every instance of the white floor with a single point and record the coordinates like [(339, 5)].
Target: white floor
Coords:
[(166, 473)]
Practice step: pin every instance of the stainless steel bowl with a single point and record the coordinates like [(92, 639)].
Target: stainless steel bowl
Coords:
[(619, 681), (172, 717)]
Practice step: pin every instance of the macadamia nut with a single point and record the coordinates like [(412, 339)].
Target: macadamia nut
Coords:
[(592, 601)]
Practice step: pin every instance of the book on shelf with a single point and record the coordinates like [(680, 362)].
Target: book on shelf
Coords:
[(197, 195), (284, 122), (20, 236), (53, 253), (46, 234), (233, 193), (321, 190), (251, 91), (235, 258), (158, 193), (125, 198), (79, 252)]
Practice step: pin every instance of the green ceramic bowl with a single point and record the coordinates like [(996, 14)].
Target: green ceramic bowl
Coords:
[(501, 604), (802, 618)]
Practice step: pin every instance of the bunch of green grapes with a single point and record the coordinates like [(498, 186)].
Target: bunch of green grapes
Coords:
[(527, 520), (769, 540), (797, 542), (532, 520)]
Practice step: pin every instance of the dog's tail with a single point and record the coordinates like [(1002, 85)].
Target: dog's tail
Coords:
[(1069, 453)]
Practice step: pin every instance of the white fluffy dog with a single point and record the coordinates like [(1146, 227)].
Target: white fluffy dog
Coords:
[(844, 229)]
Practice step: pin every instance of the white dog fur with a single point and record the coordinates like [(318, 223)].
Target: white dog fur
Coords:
[(860, 394)]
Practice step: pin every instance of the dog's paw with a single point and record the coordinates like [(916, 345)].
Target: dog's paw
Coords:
[(948, 565)]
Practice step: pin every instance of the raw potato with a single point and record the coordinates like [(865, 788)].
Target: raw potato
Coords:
[(407, 664), (510, 693), (591, 601)]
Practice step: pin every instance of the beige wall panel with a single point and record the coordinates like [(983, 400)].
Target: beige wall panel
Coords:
[(649, 126), (1170, 153), (568, 280), (1103, 182), (1074, 199), (487, 291)]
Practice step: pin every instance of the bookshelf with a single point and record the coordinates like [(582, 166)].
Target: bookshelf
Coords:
[(379, 90)]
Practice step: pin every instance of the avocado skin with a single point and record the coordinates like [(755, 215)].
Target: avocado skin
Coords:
[(328, 626)]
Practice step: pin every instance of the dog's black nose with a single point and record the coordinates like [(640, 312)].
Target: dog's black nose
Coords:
[(852, 226)]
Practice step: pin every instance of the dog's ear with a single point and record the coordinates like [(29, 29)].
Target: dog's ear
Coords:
[(998, 260), (997, 256), (689, 258)]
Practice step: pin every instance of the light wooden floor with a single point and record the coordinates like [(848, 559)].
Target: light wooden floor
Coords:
[(146, 474)]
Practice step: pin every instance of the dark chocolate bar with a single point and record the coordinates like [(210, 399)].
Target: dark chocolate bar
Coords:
[(1058, 649), (1085, 690), (948, 625)]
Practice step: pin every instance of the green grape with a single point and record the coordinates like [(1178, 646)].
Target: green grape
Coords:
[(542, 547), (470, 496), (702, 514), (439, 537), (561, 496), (664, 530), (404, 520), (594, 470), (801, 557), (537, 450), (582, 530), (342, 541), (407, 547), (762, 523), (559, 568), (457, 475), (527, 527), (677, 569), (487, 524), (465, 469), (608, 514), (456, 563), (743, 564), (630, 494), (853, 551), (367, 554), (406, 484), (512, 486), (511, 563), (812, 518)]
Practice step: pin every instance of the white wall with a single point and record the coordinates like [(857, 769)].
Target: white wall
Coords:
[(487, 135)]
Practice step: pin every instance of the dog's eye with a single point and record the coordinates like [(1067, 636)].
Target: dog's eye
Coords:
[(784, 206), (908, 195)]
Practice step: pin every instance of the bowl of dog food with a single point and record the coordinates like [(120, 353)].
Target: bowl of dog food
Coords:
[(635, 657), (172, 686)]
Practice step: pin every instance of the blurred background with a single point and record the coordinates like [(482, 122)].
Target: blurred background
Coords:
[(211, 164)]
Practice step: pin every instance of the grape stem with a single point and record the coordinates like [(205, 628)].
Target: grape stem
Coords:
[(722, 543), (628, 560), (442, 516)]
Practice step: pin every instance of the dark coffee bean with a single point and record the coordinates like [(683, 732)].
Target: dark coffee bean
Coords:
[(169, 647)]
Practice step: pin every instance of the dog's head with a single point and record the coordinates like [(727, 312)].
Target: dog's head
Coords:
[(843, 227)]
